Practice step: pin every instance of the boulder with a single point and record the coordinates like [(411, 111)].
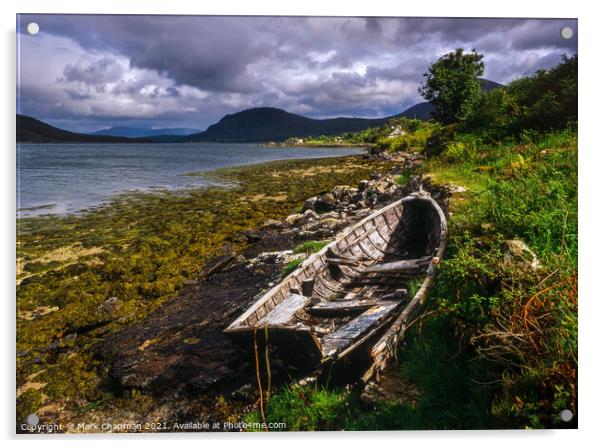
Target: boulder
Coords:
[(325, 202), (517, 253), (310, 203)]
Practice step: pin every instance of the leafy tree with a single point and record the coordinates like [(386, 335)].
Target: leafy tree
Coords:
[(543, 101), (452, 85)]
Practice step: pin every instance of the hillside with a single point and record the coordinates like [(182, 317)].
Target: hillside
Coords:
[(258, 124), (422, 111), (135, 132), (268, 123), (31, 130)]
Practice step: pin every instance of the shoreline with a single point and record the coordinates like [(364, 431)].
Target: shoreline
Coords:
[(140, 249), (313, 145), (209, 174)]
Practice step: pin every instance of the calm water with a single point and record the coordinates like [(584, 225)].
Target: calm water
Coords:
[(66, 178)]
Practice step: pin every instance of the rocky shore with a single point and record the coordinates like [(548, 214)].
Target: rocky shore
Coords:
[(179, 356)]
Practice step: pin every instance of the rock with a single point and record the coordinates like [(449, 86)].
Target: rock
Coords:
[(293, 219), (310, 215), (454, 189), (310, 203), (331, 223), (246, 392), (300, 219), (518, 253), (325, 203), (111, 307), (363, 185), (392, 387), (273, 257), (37, 312), (271, 223)]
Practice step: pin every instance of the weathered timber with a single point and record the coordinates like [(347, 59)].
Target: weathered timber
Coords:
[(399, 266), (342, 307), (362, 275), (347, 334), (307, 286), (284, 311)]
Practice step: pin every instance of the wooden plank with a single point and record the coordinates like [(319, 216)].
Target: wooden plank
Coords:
[(397, 266), (348, 333), (343, 307), (342, 261), (284, 311)]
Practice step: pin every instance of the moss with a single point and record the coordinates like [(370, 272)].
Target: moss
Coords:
[(28, 403), (140, 248)]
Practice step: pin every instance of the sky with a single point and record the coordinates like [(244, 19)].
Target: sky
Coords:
[(89, 72)]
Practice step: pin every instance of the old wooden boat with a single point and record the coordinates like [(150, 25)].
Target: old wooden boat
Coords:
[(357, 294)]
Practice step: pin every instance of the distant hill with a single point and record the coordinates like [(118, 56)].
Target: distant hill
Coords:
[(259, 124), (122, 131), (268, 123), (422, 111), (487, 85), (31, 130)]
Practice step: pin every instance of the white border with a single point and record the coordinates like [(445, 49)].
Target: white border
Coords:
[(590, 158)]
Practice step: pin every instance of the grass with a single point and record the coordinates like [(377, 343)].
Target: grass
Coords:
[(291, 266), (309, 247), (498, 348), (452, 393)]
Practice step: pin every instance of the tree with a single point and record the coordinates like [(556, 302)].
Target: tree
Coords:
[(452, 85)]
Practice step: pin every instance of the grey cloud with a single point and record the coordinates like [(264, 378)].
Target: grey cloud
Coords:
[(101, 71), (209, 66)]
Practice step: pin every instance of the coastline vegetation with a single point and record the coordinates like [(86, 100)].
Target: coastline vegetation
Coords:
[(497, 344)]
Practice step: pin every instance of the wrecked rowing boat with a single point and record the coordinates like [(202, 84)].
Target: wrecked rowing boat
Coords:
[(355, 296)]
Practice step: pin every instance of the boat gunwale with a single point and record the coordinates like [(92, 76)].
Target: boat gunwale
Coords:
[(238, 324)]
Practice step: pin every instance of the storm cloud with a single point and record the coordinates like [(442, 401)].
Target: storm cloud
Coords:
[(85, 72)]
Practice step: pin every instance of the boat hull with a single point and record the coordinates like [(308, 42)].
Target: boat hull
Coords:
[(368, 266)]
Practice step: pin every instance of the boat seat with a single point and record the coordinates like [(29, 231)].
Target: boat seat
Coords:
[(399, 266), (344, 307), (284, 311), (363, 325)]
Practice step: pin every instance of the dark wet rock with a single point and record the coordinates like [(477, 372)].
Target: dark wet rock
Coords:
[(246, 392), (325, 202), (181, 347), (363, 185)]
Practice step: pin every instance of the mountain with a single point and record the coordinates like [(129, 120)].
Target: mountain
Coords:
[(422, 111), (31, 130), (122, 131), (487, 85), (262, 124), (259, 124), (268, 123)]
